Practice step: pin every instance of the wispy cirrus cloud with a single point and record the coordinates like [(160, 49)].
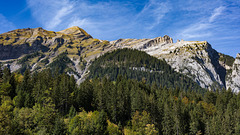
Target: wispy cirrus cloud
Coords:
[(5, 24), (98, 17), (217, 12), (77, 22), (50, 13), (217, 22), (196, 30), (204, 27), (153, 13), (107, 20), (58, 18)]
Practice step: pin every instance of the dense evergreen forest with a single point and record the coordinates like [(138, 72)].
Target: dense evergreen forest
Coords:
[(139, 65), (48, 102)]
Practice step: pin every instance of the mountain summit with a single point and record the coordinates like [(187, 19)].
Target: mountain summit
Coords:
[(75, 30), (75, 49)]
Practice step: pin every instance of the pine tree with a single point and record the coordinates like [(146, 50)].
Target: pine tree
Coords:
[(5, 89), (1, 72), (72, 112), (13, 84), (101, 124), (6, 116), (167, 122), (194, 122), (19, 99), (59, 127), (6, 75), (177, 118)]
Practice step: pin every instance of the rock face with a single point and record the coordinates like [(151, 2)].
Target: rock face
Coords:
[(15, 43), (76, 32), (233, 78), (193, 58), (12, 52), (18, 48), (196, 59), (141, 43)]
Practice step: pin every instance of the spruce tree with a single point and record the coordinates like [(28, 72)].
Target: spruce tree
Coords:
[(1, 72), (6, 75)]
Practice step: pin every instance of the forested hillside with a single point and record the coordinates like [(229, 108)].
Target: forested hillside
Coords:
[(51, 103), (141, 66)]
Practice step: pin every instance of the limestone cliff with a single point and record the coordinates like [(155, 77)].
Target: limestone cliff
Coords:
[(233, 78)]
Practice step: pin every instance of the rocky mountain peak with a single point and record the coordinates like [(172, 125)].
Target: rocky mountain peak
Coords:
[(75, 30), (38, 29), (238, 55), (237, 60), (164, 39), (233, 79)]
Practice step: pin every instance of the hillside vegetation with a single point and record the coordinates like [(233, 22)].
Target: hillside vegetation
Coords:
[(51, 103), (139, 65), (228, 60)]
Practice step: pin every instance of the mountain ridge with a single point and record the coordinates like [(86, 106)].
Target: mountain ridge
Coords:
[(196, 59)]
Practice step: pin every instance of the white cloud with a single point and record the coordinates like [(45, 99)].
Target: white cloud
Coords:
[(101, 19), (196, 30), (77, 22), (203, 28), (104, 19), (61, 14), (51, 13), (5, 25), (58, 18), (217, 12), (153, 13)]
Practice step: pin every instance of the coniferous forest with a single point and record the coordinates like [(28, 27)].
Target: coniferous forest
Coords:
[(49, 102), (139, 65)]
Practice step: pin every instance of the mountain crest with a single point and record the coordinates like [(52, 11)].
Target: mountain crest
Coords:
[(164, 39), (75, 30), (233, 79), (38, 48), (238, 55), (237, 60)]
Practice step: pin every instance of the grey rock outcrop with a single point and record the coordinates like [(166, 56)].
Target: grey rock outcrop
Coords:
[(233, 78)]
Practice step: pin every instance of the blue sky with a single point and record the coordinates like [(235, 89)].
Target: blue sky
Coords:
[(216, 21)]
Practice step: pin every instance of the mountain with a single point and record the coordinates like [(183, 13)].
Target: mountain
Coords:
[(195, 59), (24, 41), (37, 49), (73, 50), (140, 66)]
